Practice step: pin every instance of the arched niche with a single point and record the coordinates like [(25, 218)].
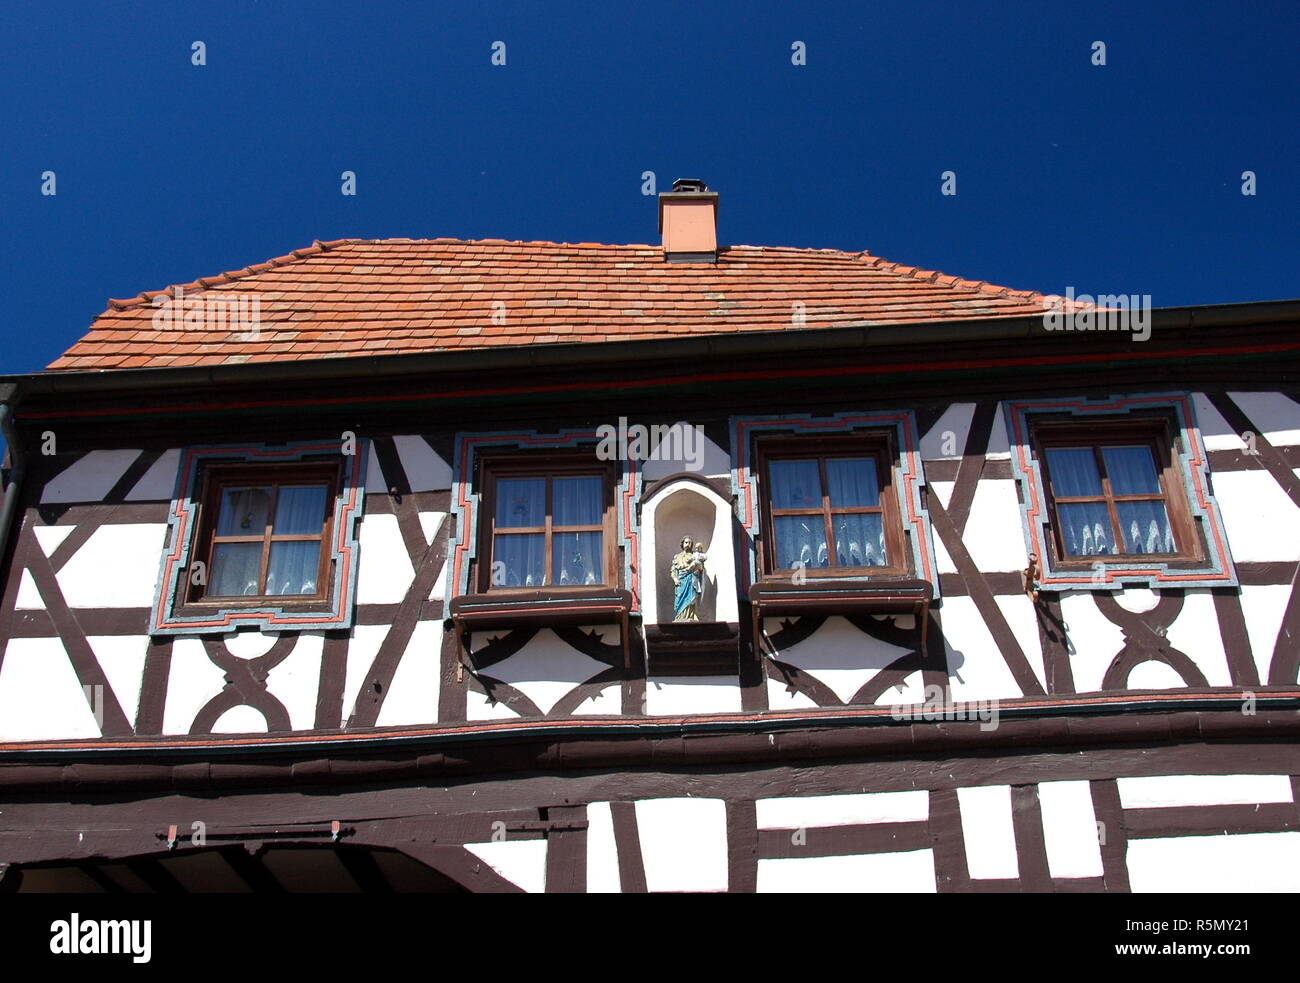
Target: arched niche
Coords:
[(687, 507)]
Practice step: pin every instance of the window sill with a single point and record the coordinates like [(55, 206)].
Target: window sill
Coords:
[(840, 597), (540, 609)]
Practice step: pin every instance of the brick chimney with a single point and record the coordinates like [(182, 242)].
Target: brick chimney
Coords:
[(688, 219)]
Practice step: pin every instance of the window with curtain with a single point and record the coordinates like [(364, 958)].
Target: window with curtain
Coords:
[(829, 507), (265, 533), (550, 525), (1113, 491)]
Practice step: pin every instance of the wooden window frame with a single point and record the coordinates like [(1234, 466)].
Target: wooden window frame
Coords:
[(217, 477), (492, 468), (877, 445), (1157, 434)]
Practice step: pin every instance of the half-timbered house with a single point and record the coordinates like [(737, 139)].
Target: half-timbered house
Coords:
[(358, 569)]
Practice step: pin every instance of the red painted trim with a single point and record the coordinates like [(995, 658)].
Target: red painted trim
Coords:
[(894, 368)]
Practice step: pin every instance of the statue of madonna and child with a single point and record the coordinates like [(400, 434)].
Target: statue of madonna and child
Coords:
[(688, 575)]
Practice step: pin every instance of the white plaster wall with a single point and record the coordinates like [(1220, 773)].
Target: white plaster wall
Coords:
[(1262, 523), (994, 536), (117, 567), (1070, 829), (608, 702), (159, 482), (122, 659), (1022, 619), (811, 811), (521, 862), (1096, 640), (89, 479), (40, 696), (479, 707), (1263, 608), (778, 698), (999, 444), (191, 682), (544, 670), (839, 655), (430, 524), (976, 668), (683, 843), (602, 851), (1216, 435), (680, 696), (29, 596), (425, 468), (241, 719), (988, 831), (413, 696), (687, 508), (877, 873), (384, 573), (955, 420), (49, 537), (1166, 791), (363, 646), (376, 481), (296, 680), (1154, 675), (1277, 416), (943, 491), (1244, 862), (713, 462), (249, 644)]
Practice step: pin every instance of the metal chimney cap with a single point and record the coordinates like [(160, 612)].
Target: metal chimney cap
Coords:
[(689, 185)]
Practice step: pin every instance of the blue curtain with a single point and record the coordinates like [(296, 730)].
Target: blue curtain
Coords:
[(293, 567), (299, 510), (1086, 526), (576, 558), (852, 482), (796, 485), (801, 539), (521, 502), (235, 568), (243, 511), (576, 501), (522, 560)]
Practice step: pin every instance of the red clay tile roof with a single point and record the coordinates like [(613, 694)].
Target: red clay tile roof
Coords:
[(362, 297)]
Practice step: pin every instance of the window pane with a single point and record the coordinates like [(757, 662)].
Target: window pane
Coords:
[(1085, 529), (243, 511), (235, 568), (576, 558), (1073, 471), (519, 560), (859, 539), (796, 485), (1146, 527), (801, 538), (521, 502), (577, 501), (293, 568), (853, 482), (1132, 470), (299, 509)]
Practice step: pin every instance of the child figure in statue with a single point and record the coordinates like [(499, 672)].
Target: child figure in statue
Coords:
[(688, 575)]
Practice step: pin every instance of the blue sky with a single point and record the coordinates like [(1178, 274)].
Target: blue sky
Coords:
[(1124, 178)]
